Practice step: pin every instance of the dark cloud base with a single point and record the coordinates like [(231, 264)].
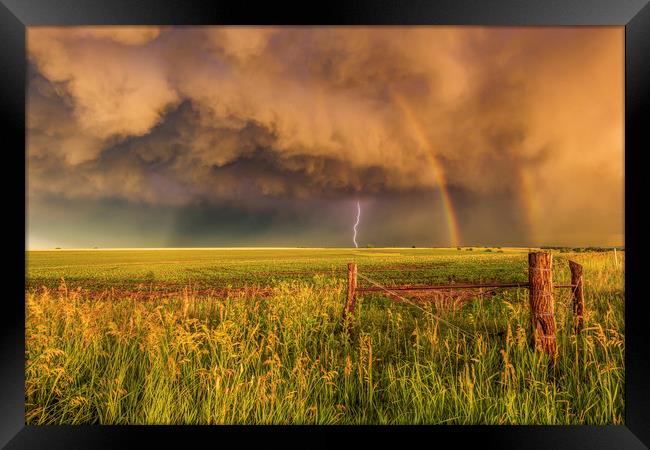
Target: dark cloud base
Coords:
[(400, 221)]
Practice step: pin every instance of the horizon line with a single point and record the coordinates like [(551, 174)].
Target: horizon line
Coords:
[(550, 247)]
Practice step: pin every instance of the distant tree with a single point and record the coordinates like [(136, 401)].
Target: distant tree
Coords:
[(458, 248), (488, 250), (412, 246)]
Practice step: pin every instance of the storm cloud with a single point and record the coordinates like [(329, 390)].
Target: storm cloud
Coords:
[(268, 134)]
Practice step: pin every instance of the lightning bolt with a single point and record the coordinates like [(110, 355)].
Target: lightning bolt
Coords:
[(354, 238)]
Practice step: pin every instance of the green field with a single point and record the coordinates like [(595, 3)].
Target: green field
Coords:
[(253, 336), (175, 269)]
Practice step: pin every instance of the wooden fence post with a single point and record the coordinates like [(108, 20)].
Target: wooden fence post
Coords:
[(578, 296), (352, 287), (542, 307)]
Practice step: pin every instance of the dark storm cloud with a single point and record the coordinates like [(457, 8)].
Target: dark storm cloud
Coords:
[(242, 118)]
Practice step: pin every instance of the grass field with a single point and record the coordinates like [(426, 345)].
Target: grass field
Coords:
[(253, 336)]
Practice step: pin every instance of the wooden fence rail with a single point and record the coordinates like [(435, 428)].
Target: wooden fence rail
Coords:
[(540, 289)]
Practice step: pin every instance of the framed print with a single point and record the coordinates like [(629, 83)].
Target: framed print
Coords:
[(376, 218)]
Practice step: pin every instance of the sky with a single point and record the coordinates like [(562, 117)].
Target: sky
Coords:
[(269, 136)]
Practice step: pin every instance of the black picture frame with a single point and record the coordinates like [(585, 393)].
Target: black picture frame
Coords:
[(16, 15)]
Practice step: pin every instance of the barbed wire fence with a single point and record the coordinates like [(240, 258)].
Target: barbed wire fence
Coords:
[(541, 298)]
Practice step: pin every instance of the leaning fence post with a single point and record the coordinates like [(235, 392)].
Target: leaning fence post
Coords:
[(352, 287), (578, 296), (542, 308)]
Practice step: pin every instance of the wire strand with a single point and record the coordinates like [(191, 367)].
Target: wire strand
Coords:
[(468, 334)]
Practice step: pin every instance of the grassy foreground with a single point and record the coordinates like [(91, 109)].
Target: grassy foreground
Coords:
[(94, 355)]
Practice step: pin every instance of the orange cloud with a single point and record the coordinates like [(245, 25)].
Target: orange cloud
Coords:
[(174, 114)]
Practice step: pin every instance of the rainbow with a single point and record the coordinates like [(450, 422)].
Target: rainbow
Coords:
[(436, 167), (529, 203)]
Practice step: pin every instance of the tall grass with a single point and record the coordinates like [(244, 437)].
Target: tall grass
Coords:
[(284, 359)]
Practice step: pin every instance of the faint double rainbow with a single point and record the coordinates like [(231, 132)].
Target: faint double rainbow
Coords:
[(528, 202)]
